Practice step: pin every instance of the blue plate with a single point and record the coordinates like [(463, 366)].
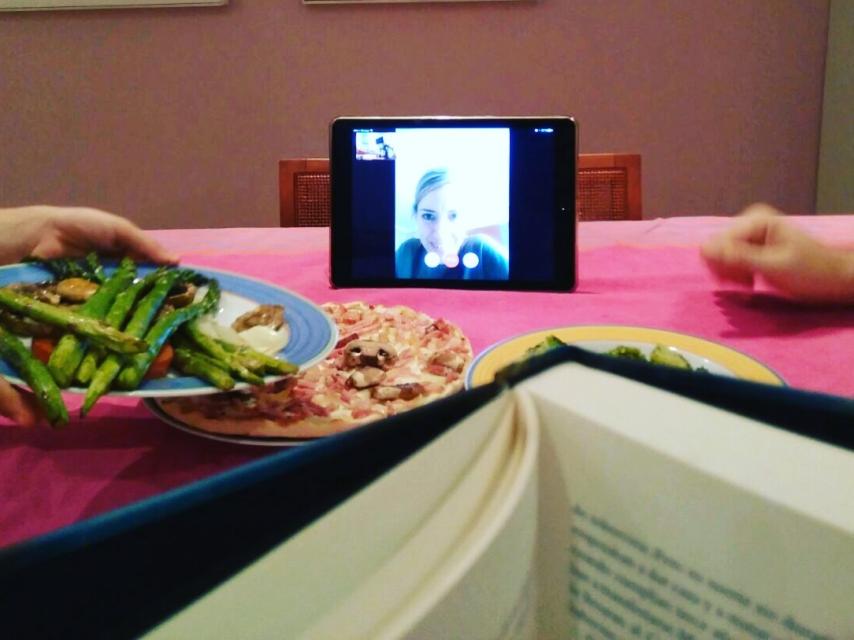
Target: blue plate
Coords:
[(313, 334)]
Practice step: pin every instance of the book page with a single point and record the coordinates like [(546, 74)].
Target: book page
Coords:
[(466, 570), (486, 589), (661, 517), (294, 586)]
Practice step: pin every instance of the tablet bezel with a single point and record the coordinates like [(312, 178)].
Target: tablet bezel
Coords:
[(565, 229)]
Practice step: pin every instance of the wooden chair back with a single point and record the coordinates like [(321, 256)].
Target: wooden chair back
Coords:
[(608, 188), (304, 193)]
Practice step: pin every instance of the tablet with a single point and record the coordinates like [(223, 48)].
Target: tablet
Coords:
[(474, 202)]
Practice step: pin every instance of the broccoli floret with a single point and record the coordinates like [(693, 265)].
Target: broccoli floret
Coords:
[(630, 353), (668, 357), (551, 342)]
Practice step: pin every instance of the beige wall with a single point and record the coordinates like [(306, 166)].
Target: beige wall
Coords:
[(177, 117), (836, 157)]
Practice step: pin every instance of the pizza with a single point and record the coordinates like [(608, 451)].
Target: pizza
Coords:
[(388, 359)]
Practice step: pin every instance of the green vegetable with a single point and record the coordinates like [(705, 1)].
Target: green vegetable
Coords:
[(550, 342), (96, 330), (119, 310), (70, 350), (259, 362), (250, 361), (101, 380), (661, 355), (124, 302), (150, 304), (544, 346), (668, 357), (163, 328), (194, 277), (95, 268), (136, 326), (88, 366), (230, 360), (36, 375), (63, 268), (200, 365), (630, 353)]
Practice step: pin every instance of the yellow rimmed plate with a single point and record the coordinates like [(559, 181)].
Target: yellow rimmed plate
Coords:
[(714, 357)]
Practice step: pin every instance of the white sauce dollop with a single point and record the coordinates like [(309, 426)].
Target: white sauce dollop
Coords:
[(261, 338)]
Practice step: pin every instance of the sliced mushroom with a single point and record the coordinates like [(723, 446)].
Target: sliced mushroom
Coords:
[(76, 289), (406, 391), (267, 315), (182, 295), (43, 292), (369, 353), (365, 377), (450, 360)]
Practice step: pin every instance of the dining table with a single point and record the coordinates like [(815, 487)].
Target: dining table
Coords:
[(645, 273)]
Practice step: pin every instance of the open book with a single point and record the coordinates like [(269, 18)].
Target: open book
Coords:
[(589, 498)]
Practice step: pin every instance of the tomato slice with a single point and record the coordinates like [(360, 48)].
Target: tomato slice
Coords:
[(161, 363), (42, 348)]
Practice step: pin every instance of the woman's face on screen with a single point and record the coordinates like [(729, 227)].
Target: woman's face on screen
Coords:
[(439, 224)]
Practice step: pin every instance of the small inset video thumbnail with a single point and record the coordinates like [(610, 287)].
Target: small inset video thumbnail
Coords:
[(371, 145)]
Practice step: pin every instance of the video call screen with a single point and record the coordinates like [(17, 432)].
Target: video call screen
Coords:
[(456, 203)]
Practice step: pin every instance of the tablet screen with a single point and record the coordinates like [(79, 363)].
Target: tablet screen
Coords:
[(473, 203)]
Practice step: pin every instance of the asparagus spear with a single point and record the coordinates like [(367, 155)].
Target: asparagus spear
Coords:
[(259, 362), (96, 330), (96, 268), (163, 328), (125, 300), (137, 326), (121, 307), (229, 360), (198, 364), (88, 366), (36, 375), (71, 349)]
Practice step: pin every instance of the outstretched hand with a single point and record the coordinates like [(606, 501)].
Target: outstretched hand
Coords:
[(762, 243), (53, 232)]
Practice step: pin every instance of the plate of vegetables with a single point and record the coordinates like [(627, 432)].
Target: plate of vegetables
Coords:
[(656, 346), (149, 331)]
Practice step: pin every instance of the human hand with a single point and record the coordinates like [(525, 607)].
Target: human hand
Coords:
[(762, 243), (53, 232), (18, 406)]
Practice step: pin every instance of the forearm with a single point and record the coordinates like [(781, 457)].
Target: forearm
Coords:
[(822, 274)]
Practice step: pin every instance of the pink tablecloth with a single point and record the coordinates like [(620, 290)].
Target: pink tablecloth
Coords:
[(643, 273)]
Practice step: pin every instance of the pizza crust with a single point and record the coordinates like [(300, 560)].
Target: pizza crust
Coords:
[(322, 398), (256, 427)]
